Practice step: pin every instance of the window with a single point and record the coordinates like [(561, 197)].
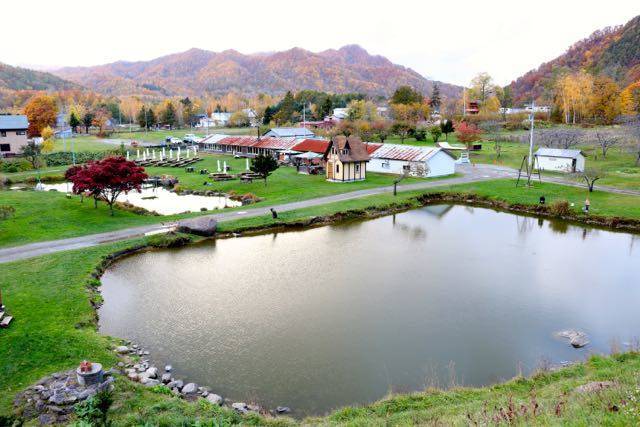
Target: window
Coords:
[(357, 167), (3, 133), (386, 164), (406, 168), (20, 132), (337, 168), (5, 147)]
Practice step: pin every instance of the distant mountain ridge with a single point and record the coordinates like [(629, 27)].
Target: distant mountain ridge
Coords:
[(196, 72), (614, 51), (18, 78)]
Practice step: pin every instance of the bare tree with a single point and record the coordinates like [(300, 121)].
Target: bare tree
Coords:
[(606, 141), (560, 137), (591, 175), (492, 129)]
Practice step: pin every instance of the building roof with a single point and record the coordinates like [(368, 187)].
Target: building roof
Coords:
[(406, 153), (350, 149), (289, 132), (372, 146), (212, 139), (13, 122), (559, 152), (312, 145), (276, 143)]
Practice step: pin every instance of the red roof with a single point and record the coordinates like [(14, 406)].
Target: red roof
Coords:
[(239, 141), (275, 143), (313, 145), (372, 146)]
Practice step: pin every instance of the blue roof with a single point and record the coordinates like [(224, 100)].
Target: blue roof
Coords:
[(289, 132), (13, 122)]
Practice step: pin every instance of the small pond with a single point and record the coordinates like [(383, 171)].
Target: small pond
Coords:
[(161, 200), (339, 315)]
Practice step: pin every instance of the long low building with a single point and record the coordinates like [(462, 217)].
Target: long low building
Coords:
[(424, 162), (247, 145)]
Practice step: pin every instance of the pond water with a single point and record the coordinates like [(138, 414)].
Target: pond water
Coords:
[(339, 315), (160, 200)]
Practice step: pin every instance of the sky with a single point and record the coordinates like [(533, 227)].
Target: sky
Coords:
[(449, 41)]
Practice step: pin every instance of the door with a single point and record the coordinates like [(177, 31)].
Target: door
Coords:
[(329, 170)]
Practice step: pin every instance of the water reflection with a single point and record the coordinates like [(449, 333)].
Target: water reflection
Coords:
[(343, 314), (160, 200)]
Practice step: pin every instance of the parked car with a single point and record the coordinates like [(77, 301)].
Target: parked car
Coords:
[(174, 140), (190, 138)]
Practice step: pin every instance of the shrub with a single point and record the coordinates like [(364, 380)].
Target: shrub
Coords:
[(6, 211), (63, 158), (14, 166), (420, 133), (560, 208), (94, 409)]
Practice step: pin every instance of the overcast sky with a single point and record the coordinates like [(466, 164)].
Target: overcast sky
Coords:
[(446, 40)]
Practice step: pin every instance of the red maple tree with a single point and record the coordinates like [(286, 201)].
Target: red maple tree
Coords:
[(467, 133), (106, 179)]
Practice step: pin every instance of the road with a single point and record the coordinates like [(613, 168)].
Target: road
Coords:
[(470, 173)]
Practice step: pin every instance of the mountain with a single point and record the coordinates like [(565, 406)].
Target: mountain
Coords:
[(17, 78), (613, 51), (197, 72)]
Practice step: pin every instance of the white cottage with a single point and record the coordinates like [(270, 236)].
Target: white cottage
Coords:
[(422, 162), (560, 160)]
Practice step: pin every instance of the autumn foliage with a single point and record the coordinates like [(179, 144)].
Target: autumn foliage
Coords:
[(41, 111), (467, 133), (106, 179)]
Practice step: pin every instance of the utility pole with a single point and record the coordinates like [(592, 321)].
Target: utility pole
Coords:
[(464, 101), (531, 118)]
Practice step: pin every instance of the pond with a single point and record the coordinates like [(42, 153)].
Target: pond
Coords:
[(161, 200), (339, 315)]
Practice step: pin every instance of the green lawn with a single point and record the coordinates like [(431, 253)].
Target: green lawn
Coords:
[(619, 166), (160, 135), (83, 143)]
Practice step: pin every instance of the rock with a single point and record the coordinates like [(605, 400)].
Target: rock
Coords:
[(166, 378), (253, 408), (176, 384), (283, 410), (151, 383), (152, 372), (595, 386), (200, 226), (240, 407), (122, 349), (190, 388), (577, 339), (146, 352), (168, 368), (204, 393), (133, 376), (46, 419), (214, 398), (120, 364)]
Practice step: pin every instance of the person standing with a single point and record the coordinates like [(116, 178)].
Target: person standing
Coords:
[(587, 205)]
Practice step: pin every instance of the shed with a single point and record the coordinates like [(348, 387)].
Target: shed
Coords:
[(560, 160), (424, 162)]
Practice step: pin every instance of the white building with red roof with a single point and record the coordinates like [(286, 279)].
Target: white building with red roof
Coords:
[(424, 162)]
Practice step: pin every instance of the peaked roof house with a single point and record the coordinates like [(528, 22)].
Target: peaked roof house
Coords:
[(346, 159), (13, 133), (290, 133)]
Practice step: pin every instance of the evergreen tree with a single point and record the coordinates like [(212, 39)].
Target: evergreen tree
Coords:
[(286, 110), (447, 127), (435, 97), (168, 116), (142, 117), (87, 120), (326, 108), (74, 122), (264, 165), (406, 95), (269, 112)]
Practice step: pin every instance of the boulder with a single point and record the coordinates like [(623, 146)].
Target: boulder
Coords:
[(283, 410), (190, 388), (151, 383), (168, 368), (200, 226), (152, 372), (214, 398), (132, 376), (166, 378), (577, 339), (122, 349), (240, 407), (176, 384)]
